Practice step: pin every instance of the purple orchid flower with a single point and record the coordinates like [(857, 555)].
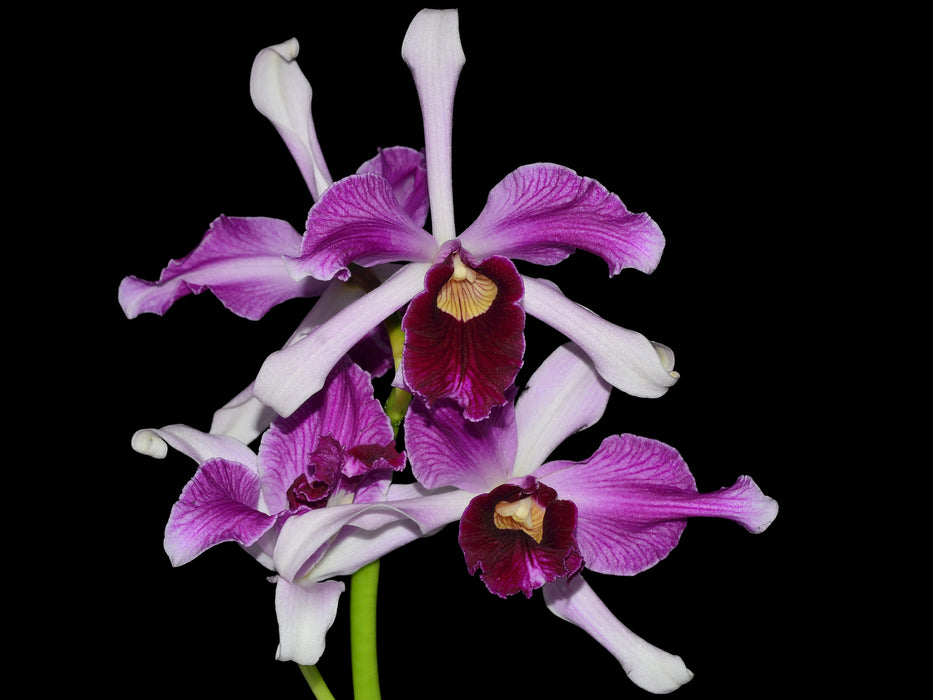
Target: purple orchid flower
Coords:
[(533, 524), (464, 325), (322, 475)]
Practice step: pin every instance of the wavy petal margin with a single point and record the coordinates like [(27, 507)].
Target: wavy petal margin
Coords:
[(543, 212)]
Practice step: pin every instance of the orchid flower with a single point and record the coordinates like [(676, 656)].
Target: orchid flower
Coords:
[(324, 473), (464, 325), (534, 524)]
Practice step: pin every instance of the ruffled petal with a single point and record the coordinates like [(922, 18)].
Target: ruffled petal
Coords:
[(634, 496), (434, 55), (446, 450), (404, 169), (344, 411), (288, 377), (220, 504), (338, 540), (510, 559), (239, 260), (470, 361), (653, 669), (543, 212), (626, 359), (305, 611), (358, 220), (566, 380), (282, 93)]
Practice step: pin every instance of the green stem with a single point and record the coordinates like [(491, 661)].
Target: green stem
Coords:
[(363, 591), (364, 584), (316, 682)]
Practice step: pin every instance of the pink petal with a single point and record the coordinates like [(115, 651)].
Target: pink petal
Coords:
[(239, 260), (543, 212)]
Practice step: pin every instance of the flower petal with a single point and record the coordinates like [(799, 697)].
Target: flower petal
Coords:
[(542, 212), (405, 171), (472, 361), (358, 220), (621, 530), (243, 417), (434, 55), (634, 496), (338, 540), (282, 93), (512, 560), (647, 666), (344, 411), (563, 396), (201, 447), (292, 374), (305, 611), (220, 504), (239, 260), (446, 450), (626, 359)]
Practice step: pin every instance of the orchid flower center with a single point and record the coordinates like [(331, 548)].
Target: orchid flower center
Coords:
[(467, 294), (313, 487), (524, 514)]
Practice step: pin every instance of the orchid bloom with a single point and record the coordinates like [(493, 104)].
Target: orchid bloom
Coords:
[(533, 524), (464, 325), (323, 473)]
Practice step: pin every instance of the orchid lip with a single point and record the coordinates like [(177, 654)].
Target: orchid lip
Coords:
[(467, 294)]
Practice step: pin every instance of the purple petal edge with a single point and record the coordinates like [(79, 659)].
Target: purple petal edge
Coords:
[(543, 212)]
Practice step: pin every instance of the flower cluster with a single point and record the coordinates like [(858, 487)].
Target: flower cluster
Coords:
[(302, 469)]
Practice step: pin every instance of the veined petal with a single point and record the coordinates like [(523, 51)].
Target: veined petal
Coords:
[(524, 554), (472, 360), (282, 93), (434, 55), (305, 611), (220, 504), (563, 396), (200, 446), (446, 450), (239, 260), (404, 169), (344, 411), (621, 492), (653, 669), (634, 496), (371, 531), (358, 220), (626, 359), (292, 374), (542, 212)]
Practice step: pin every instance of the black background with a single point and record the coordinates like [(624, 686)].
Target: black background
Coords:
[(722, 126)]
